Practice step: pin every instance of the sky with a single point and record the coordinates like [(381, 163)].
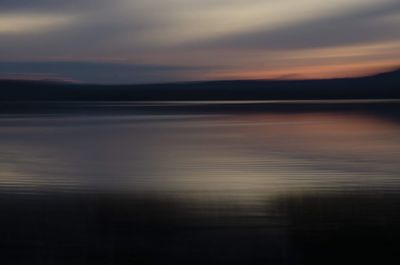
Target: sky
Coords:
[(152, 41)]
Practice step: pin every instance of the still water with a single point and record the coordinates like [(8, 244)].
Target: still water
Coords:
[(288, 186)]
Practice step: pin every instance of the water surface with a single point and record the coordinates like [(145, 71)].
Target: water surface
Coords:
[(286, 186)]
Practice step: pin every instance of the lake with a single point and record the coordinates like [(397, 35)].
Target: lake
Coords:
[(200, 183)]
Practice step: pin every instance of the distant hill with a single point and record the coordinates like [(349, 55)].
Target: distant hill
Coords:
[(379, 86)]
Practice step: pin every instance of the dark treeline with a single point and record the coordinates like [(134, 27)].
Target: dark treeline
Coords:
[(381, 86)]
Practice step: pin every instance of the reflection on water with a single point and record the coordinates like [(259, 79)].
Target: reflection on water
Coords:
[(288, 187)]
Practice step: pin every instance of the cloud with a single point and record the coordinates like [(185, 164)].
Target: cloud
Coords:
[(31, 23), (240, 34), (48, 5), (97, 72), (365, 25)]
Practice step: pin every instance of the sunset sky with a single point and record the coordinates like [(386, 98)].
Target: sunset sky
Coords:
[(149, 41)]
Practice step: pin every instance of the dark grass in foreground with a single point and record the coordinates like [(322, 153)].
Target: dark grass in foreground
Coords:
[(333, 228), (124, 229)]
